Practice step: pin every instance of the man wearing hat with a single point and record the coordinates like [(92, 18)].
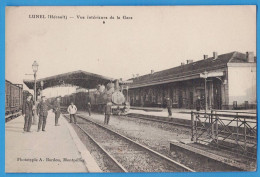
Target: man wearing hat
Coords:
[(169, 106), (198, 104), (42, 111), (89, 108), (27, 113), (56, 110), (107, 112)]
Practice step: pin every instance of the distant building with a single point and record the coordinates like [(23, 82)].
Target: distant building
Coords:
[(231, 83)]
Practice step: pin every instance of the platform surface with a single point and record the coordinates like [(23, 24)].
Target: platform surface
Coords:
[(186, 114), (24, 151)]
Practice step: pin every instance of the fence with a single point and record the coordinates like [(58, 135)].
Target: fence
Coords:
[(234, 131)]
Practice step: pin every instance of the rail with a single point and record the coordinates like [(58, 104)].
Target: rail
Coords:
[(122, 169), (170, 161), (234, 132)]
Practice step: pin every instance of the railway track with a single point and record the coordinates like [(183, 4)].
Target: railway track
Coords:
[(128, 155), (112, 165)]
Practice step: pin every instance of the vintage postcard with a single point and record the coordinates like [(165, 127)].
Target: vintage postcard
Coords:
[(130, 89)]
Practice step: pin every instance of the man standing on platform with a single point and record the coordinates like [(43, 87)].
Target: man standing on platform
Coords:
[(107, 112), (89, 108), (42, 110), (56, 110), (169, 106), (35, 115), (198, 104), (27, 112), (72, 109)]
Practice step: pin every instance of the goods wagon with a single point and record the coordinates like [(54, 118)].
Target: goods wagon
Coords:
[(13, 99)]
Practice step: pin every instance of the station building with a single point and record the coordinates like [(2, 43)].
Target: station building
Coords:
[(229, 80)]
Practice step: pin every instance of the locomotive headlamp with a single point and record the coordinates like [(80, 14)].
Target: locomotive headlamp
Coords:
[(35, 66)]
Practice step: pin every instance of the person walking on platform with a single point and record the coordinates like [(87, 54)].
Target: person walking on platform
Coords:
[(27, 113), (72, 109), (107, 112), (42, 110), (169, 106), (56, 110), (89, 108), (198, 104)]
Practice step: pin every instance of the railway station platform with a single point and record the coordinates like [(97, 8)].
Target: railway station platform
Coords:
[(183, 115), (180, 113), (176, 113), (57, 150)]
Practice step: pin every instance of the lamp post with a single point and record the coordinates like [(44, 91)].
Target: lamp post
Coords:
[(35, 69), (205, 76)]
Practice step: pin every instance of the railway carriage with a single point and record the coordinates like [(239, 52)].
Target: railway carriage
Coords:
[(65, 100), (13, 99)]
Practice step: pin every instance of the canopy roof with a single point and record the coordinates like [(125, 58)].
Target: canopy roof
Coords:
[(77, 78)]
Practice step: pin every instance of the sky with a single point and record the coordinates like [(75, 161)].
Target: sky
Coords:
[(156, 38)]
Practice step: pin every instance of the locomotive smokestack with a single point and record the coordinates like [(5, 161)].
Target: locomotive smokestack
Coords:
[(117, 84)]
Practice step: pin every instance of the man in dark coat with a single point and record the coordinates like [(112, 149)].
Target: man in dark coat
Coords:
[(42, 110), (56, 110), (107, 112), (27, 113), (198, 104), (89, 108), (169, 106)]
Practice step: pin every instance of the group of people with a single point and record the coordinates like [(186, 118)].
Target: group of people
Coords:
[(41, 110), (43, 106)]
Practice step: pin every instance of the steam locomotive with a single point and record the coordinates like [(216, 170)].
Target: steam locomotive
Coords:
[(99, 97)]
